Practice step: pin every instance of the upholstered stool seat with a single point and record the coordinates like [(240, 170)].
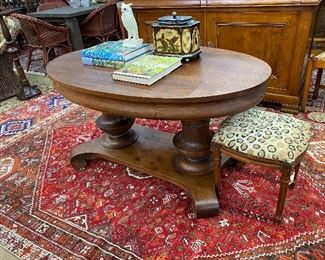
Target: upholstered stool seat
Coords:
[(266, 138)]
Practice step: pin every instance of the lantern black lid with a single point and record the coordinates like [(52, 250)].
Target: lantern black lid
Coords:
[(174, 19)]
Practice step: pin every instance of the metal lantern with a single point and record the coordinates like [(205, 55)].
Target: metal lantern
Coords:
[(177, 35)]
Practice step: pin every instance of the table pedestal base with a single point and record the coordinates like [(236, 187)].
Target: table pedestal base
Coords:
[(153, 154), (193, 146)]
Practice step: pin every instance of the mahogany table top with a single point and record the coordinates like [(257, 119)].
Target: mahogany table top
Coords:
[(219, 83)]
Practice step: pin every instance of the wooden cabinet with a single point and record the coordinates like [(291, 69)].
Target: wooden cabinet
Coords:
[(270, 36), (277, 31)]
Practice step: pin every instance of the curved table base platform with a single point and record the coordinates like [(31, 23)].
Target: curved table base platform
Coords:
[(154, 154)]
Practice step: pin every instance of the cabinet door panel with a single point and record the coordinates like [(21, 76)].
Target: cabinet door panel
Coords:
[(268, 36)]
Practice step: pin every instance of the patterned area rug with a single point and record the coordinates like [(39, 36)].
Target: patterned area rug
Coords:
[(48, 210)]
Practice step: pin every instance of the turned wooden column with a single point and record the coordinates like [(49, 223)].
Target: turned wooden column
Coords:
[(117, 132), (193, 148)]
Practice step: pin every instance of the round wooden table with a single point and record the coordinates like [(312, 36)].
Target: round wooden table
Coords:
[(219, 83)]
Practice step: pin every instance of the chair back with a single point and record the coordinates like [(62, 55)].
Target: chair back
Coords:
[(318, 43), (101, 23), (51, 5), (320, 22), (32, 29), (119, 20), (48, 1), (25, 6)]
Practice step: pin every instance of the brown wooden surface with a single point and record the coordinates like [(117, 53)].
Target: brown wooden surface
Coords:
[(219, 83), (276, 31)]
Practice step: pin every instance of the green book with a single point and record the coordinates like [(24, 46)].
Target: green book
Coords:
[(147, 69)]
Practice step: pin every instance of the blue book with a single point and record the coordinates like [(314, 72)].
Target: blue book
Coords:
[(114, 51)]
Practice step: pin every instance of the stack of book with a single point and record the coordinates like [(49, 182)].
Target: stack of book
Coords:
[(112, 54)]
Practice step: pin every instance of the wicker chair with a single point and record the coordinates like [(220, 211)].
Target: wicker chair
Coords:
[(121, 28), (25, 6), (42, 35), (316, 59), (101, 23), (9, 82), (51, 1), (51, 5)]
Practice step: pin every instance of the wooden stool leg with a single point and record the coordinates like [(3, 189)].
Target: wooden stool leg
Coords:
[(309, 71), (218, 168), (284, 183), (293, 183), (317, 84)]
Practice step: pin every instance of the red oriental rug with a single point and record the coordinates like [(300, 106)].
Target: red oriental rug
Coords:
[(48, 210)]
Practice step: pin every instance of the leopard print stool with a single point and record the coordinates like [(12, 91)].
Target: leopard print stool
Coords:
[(264, 138)]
